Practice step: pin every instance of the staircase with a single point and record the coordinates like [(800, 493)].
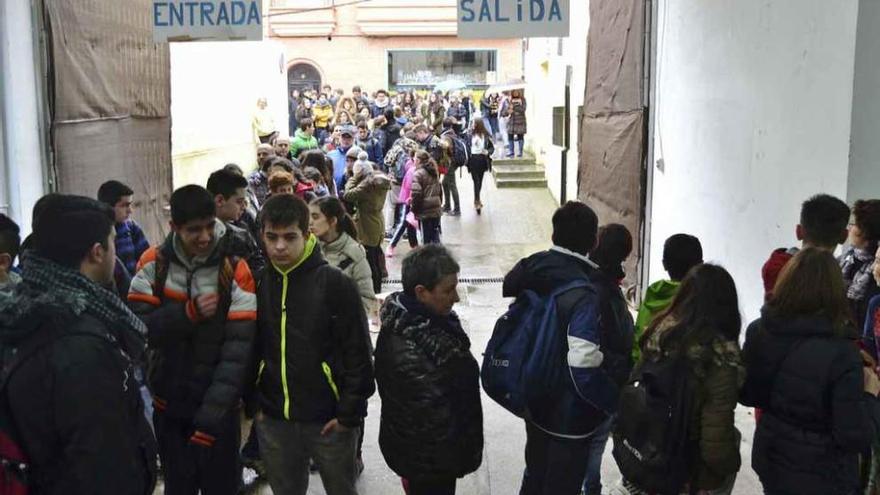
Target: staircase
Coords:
[(518, 172)]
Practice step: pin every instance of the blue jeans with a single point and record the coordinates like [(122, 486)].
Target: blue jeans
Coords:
[(598, 440)]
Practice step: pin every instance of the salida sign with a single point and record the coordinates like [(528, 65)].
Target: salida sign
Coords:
[(513, 18), (207, 20)]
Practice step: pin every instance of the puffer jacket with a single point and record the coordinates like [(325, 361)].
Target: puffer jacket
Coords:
[(314, 341), (717, 372), (426, 195), (322, 115), (302, 141), (198, 367), (657, 298), (615, 326), (587, 395), (432, 419), (808, 380), (75, 401), (346, 254), (368, 192)]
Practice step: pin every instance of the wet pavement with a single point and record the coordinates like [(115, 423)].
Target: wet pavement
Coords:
[(514, 223)]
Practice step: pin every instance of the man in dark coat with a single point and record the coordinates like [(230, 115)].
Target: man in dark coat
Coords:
[(75, 394), (431, 430)]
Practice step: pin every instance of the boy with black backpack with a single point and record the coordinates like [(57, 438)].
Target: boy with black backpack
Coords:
[(198, 298), (456, 157), (578, 395)]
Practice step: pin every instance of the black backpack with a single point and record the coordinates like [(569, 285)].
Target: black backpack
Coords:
[(652, 437)]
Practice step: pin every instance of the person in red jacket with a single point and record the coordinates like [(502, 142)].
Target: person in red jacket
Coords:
[(823, 223)]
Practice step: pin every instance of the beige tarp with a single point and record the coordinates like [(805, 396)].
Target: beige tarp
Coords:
[(111, 116), (613, 126)]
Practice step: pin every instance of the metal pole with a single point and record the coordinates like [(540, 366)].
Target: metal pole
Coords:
[(563, 192)]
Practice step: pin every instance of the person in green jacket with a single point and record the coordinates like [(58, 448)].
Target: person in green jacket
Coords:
[(304, 139), (681, 252)]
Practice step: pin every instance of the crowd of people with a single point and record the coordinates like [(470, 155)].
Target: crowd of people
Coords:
[(117, 353)]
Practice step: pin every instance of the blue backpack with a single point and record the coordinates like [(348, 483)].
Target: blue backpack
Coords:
[(525, 357)]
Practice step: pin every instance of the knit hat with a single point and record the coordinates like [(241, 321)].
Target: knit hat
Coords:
[(353, 152), (362, 165)]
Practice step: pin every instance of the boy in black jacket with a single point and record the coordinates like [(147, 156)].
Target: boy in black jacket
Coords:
[(313, 341)]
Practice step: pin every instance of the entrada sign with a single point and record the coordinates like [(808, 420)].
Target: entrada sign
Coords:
[(513, 18), (207, 20)]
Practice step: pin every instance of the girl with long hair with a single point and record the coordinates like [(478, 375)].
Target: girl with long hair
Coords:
[(807, 375), (517, 125), (426, 197), (702, 326), (480, 160)]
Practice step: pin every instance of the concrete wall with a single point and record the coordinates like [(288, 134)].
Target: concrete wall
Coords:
[(864, 165), (214, 91), (545, 71), (753, 112)]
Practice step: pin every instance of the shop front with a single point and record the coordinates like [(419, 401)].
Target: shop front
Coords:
[(424, 69)]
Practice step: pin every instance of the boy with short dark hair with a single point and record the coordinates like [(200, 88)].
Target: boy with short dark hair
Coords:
[(313, 341), (10, 243), (131, 243), (198, 299), (681, 252), (823, 223)]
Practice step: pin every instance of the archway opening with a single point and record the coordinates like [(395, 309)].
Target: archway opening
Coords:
[(303, 76)]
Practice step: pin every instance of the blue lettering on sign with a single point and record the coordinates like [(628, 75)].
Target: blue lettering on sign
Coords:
[(466, 6), (206, 13), (157, 13), (489, 11)]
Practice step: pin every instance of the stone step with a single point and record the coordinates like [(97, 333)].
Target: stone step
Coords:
[(520, 183), (503, 167), (525, 160), (518, 174)]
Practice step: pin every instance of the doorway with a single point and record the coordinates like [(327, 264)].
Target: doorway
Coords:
[(303, 76)]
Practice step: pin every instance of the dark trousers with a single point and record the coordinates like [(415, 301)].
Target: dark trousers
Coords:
[(450, 191), (554, 466), (430, 230), (190, 468), (375, 258), (477, 176), (403, 227), (434, 487)]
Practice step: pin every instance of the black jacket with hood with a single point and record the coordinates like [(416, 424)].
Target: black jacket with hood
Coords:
[(75, 402), (816, 418), (314, 342), (432, 419)]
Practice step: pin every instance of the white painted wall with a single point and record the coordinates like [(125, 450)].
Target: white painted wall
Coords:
[(753, 113), (214, 91), (864, 166), (545, 74)]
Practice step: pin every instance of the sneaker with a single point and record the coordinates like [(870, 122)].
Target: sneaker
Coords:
[(249, 479), (389, 253), (456, 213)]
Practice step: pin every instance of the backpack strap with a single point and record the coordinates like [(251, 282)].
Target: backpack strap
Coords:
[(160, 275)]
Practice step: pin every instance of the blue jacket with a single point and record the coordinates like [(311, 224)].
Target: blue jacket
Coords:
[(588, 394), (338, 157), (373, 148), (130, 244)]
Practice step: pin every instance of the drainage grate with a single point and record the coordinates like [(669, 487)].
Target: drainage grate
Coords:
[(463, 280)]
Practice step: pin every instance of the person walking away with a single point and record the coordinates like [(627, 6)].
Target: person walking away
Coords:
[(197, 297), (805, 372), (404, 226), (480, 160), (304, 139), (699, 334), (366, 142), (858, 261), (456, 157), (559, 433), (681, 252), (130, 239), (313, 339), (10, 245), (616, 332), (73, 357), (367, 189), (395, 164), (391, 130), (426, 197), (431, 429), (823, 225), (263, 124), (516, 126)]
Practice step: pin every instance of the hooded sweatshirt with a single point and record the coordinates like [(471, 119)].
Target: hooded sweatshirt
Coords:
[(302, 142), (658, 298)]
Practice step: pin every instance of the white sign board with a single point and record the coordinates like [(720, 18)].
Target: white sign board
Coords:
[(513, 18), (207, 20)]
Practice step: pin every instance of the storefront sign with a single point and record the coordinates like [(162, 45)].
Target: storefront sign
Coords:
[(207, 20), (513, 18)]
